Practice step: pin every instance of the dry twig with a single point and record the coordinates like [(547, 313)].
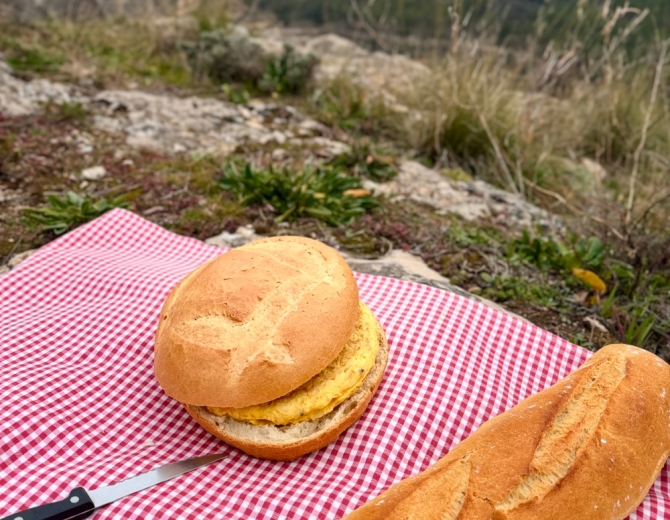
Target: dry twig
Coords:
[(645, 129), (499, 155)]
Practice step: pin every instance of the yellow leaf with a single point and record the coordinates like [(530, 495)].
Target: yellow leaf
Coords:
[(319, 196), (356, 193), (591, 279)]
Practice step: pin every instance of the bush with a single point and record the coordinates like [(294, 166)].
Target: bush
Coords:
[(232, 57), (225, 57), (323, 193)]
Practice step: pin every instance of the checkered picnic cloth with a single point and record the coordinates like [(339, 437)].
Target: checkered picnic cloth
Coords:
[(80, 405)]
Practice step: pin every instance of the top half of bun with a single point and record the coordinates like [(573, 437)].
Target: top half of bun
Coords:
[(255, 323)]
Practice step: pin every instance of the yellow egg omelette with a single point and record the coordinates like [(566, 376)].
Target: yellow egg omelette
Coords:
[(321, 394)]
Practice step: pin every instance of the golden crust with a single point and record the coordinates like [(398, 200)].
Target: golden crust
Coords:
[(255, 323), (533, 461), (322, 432)]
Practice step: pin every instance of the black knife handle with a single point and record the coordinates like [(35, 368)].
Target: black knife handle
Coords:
[(77, 505)]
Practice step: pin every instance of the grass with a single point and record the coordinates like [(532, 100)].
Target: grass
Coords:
[(108, 53)]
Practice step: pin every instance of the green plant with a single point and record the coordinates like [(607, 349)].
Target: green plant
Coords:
[(542, 252), (342, 103), (62, 112), (61, 214), (323, 193), (226, 57), (33, 59), (504, 287), (289, 73), (362, 161), (237, 95)]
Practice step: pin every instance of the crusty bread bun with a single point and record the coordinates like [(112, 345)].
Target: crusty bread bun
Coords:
[(292, 441), (590, 447), (257, 324)]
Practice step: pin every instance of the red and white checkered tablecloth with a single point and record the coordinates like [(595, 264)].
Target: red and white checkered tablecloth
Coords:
[(80, 405)]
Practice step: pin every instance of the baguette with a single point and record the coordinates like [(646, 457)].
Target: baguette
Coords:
[(589, 447)]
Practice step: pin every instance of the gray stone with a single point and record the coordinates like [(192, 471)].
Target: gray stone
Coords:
[(15, 260), (243, 235), (471, 201), (94, 173)]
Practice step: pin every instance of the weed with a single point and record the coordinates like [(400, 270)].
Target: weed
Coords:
[(319, 192), (343, 103), (67, 112), (62, 214), (35, 59), (235, 94), (362, 161), (289, 73), (505, 287)]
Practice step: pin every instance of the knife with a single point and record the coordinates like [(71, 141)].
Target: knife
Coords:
[(81, 503)]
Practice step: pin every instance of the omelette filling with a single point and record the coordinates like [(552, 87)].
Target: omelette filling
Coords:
[(321, 394)]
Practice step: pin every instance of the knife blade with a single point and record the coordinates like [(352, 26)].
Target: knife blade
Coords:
[(81, 503)]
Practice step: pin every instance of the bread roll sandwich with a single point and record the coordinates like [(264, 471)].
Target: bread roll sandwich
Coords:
[(589, 447), (269, 347)]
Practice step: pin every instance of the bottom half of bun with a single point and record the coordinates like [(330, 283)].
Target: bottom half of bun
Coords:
[(291, 441)]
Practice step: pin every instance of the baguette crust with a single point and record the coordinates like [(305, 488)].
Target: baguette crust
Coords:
[(590, 446), (290, 442), (255, 323)]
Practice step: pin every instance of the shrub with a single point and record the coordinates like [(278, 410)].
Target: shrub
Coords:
[(225, 57), (232, 57)]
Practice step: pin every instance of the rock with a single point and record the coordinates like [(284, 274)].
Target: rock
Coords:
[(15, 260), (327, 147), (20, 98), (595, 324), (381, 76), (405, 266), (94, 173), (243, 235), (471, 201)]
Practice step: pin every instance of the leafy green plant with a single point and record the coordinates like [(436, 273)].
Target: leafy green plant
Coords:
[(543, 252), (362, 161), (323, 193), (289, 73), (61, 214)]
